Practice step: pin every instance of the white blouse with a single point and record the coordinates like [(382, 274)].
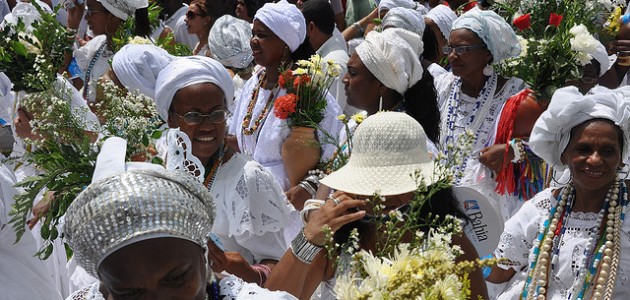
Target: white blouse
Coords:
[(520, 232)]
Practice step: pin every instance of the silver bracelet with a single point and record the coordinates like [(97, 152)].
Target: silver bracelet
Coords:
[(304, 250), (307, 187)]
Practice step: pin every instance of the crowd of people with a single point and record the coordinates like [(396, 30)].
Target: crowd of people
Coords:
[(222, 216)]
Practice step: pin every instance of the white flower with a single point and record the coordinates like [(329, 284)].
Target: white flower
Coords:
[(523, 42), (583, 58), (578, 29), (33, 47), (138, 40)]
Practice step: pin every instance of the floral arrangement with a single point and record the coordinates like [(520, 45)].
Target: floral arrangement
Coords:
[(556, 38), (306, 86), (343, 148), (31, 54), (66, 154)]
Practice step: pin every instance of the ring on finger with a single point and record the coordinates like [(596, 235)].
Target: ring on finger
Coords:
[(335, 200)]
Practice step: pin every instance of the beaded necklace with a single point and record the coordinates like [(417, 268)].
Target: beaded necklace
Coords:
[(215, 168), (212, 291), (88, 72), (602, 256), (252, 103)]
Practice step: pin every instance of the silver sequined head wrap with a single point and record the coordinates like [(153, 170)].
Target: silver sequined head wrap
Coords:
[(133, 206), (229, 42)]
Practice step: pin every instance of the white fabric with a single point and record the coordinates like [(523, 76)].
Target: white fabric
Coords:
[(436, 70), (600, 54), (6, 99), (187, 71), (229, 42), (443, 16), (516, 245), (178, 153), (252, 210), (84, 57), (493, 30), (389, 4), (335, 49), (265, 145), (408, 19), (230, 287), (393, 57), (26, 12), (569, 108), (285, 20), (180, 30), (123, 9), (111, 160), (4, 8), (137, 67)]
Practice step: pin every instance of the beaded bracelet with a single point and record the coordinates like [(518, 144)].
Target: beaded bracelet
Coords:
[(304, 250), (519, 150)]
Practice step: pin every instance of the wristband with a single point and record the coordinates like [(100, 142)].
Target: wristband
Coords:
[(519, 150), (304, 250)]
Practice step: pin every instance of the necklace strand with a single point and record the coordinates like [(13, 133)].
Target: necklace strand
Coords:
[(252, 103), (215, 168)]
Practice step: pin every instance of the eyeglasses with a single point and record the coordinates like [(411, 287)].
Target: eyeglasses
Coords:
[(90, 12), (195, 117), (191, 14), (459, 50)]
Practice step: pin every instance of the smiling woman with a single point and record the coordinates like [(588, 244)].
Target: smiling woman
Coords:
[(191, 94)]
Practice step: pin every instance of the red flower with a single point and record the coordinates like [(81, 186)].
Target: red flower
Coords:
[(470, 5), (555, 19), (285, 106), (301, 80), (282, 79), (523, 22)]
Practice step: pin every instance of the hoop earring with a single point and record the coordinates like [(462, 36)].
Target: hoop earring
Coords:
[(488, 70), (553, 177)]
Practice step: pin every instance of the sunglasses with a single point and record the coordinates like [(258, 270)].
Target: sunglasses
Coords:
[(195, 117), (191, 14), (459, 50)]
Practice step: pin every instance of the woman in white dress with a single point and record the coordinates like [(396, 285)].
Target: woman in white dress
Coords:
[(143, 233), (192, 94), (471, 97), (571, 242)]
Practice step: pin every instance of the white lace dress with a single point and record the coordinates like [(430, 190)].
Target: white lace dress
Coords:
[(252, 210), (265, 145), (486, 109), (520, 232), (230, 287)]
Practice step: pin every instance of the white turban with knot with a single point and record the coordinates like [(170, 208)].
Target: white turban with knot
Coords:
[(137, 67), (408, 19), (497, 34), (568, 109), (410, 4), (123, 9), (600, 54), (285, 20), (229, 42), (393, 57), (443, 16), (187, 71)]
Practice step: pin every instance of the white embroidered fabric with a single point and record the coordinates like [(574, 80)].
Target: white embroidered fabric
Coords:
[(521, 231), (252, 210), (230, 288), (265, 145), (179, 154)]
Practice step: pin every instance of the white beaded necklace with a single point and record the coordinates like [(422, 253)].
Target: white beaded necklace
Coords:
[(598, 269)]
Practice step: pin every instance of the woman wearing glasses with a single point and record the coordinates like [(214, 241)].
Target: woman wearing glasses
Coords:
[(472, 96), (191, 94)]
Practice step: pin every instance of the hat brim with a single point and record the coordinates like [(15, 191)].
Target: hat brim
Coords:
[(386, 180)]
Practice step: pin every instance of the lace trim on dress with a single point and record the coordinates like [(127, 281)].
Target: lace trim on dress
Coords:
[(179, 154)]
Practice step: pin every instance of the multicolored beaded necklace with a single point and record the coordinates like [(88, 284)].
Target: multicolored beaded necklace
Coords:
[(600, 259), (215, 168), (252, 103)]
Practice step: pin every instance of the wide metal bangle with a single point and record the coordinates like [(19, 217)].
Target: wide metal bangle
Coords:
[(304, 250)]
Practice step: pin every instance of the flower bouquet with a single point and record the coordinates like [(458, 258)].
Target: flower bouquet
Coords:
[(66, 151), (556, 38), (303, 107), (33, 48)]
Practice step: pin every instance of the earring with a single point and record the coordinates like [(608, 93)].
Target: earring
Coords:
[(488, 70), (380, 103), (553, 177)]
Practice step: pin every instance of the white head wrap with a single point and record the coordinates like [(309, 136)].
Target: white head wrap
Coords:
[(27, 12), (6, 99), (285, 20), (569, 108), (229, 42), (404, 18), (393, 57), (443, 16), (600, 54), (123, 9), (497, 34), (390, 4), (137, 67), (187, 71)]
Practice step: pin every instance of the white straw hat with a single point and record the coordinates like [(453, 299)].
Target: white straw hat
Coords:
[(388, 148)]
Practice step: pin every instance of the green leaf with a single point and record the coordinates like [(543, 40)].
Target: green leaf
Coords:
[(19, 48)]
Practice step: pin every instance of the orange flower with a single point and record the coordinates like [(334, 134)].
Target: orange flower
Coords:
[(300, 81), (282, 79), (285, 106)]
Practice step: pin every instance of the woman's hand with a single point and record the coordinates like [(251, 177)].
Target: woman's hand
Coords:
[(333, 216), (297, 195), (492, 156), (231, 262), (41, 209)]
